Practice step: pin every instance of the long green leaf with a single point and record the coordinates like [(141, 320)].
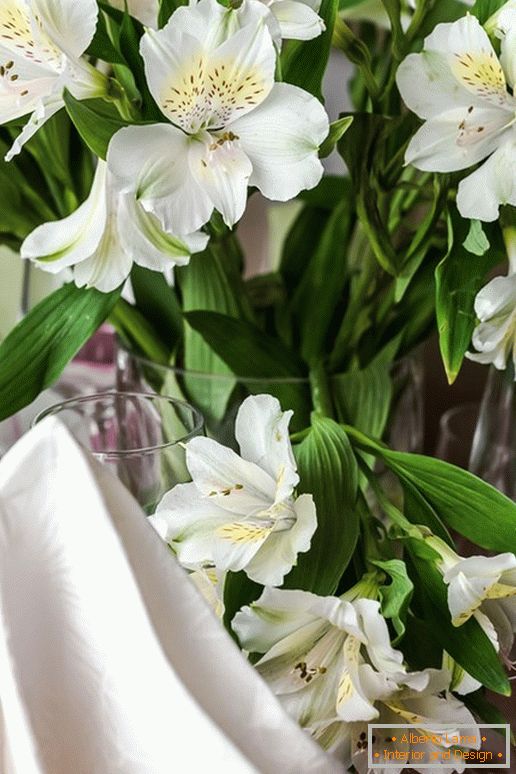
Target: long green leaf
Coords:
[(461, 500), (323, 279), (95, 120), (328, 470), (459, 277), (263, 363), (464, 502), (35, 353), (206, 284), (158, 302)]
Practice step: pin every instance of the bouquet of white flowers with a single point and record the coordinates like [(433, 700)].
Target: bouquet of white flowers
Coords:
[(134, 134)]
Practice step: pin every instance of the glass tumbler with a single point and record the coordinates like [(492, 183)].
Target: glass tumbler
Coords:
[(141, 437)]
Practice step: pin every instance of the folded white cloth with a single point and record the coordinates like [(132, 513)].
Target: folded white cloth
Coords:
[(110, 661)]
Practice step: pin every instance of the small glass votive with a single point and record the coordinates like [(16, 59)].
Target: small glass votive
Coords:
[(139, 436)]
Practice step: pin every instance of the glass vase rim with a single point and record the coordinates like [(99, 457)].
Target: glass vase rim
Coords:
[(208, 375), (119, 454)]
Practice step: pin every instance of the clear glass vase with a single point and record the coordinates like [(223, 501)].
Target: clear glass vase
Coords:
[(493, 452), (219, 396), (140, 437)]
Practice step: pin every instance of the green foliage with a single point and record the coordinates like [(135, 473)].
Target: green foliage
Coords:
[(35, 353), (484, 9), (96, 121), (159, 303), (264, 364), (462, 501), (396, 596), (326, 456), (459, 277)]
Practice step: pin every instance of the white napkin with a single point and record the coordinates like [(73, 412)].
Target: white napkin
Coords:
[(110, 661)]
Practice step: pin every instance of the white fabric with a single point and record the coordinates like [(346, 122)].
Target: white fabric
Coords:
[(110, 661)]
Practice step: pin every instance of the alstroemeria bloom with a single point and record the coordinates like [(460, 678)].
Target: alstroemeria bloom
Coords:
[(41, 45), (494, 338), (331, 664), (104, 237), (433, 711), (481, 587), (329, 660), (240, 512), (463, 91), (233, 126)]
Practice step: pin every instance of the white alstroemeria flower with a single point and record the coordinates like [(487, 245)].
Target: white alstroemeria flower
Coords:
[(210, 584), (329, 660), (145, 11), (481, 587), (240, 512), (233, 126), (104, 237), (494, 338), (41, 45), (439, 715), (462, 90)]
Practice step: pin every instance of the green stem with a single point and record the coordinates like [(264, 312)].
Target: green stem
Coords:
[(129, 321), (321, 393)]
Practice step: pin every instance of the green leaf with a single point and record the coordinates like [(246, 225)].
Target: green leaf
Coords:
[(476, 241), (304, 64), (459, 277), (167, 8), (158, 302), (464, 502), (323, 279), (206, 285), (95, 120), (301, 243), (467, 644), (363, 398), (239, 590), (396, 596), (263, 363), (328, 470), (359, 149), (337, 130), (34, 354), (331, 189), (484, 9), (102, 47), (419, 511)]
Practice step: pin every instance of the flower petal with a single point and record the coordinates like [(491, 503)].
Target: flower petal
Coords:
[(229, 481), (69, 24), (457, 139), (69, 241), (297, 20), (148, 244), (196, 86), (236, 543), (482, 193), (281, 138), (379, 649), (153, 163), (222, 170), (48, 107), (261, 431), (279, 552), (146, 11), (187, 521)]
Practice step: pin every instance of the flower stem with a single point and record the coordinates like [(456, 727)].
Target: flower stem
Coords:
[(321, 393)]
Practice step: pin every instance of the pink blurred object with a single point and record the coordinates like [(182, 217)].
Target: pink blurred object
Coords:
[(91, 371)]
